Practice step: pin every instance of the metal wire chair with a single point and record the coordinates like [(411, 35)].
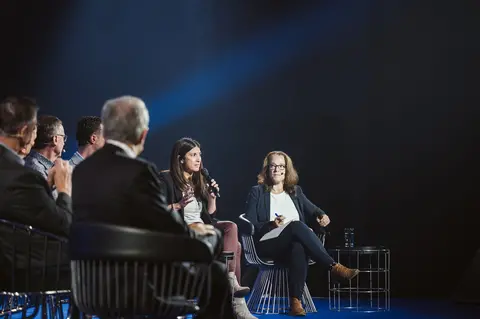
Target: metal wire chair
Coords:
[(121, 271), (270, 293), (37, 269)]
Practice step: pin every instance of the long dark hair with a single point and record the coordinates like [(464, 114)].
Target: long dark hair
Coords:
[(180, 148)]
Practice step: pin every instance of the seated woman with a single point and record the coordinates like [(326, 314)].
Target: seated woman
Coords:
[(189, 193), (276, 201)]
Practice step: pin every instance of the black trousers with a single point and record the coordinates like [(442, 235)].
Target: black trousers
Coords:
[(220, 304), (293, 247)]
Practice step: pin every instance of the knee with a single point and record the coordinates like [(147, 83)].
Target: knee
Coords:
[(298, 226), (230, 227)]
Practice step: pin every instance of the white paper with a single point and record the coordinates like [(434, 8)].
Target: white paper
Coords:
[(274, 233)]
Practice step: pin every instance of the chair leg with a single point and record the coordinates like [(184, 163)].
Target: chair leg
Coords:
[(270, 293), (308, 301)]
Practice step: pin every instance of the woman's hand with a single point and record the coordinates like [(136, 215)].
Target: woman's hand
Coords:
[(278, 221), (188, 197), (213, 184), (323, 221)]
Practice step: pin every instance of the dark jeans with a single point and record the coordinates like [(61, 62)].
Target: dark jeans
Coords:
[(293, 247)]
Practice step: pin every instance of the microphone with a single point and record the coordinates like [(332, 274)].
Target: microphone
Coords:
[(209, 178)]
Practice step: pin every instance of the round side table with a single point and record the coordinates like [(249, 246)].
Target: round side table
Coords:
[(370, 290)]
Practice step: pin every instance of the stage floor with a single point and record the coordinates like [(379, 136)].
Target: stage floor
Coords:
[(400, 309)]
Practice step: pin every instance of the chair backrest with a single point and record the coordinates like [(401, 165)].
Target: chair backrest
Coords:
[(33, 258), (120, 271), (248, 243), (32, 262)]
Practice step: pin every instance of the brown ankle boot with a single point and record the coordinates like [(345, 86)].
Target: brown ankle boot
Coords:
[(296, 308), (340, 271)]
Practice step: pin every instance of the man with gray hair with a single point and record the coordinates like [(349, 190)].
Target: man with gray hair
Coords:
[(128, 191)]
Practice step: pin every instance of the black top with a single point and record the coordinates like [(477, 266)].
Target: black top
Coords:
[(174, 195)]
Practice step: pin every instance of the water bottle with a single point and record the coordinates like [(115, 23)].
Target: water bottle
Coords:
[(349, 237)]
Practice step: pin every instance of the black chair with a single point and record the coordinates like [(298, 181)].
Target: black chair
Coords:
[(35, 271), (121, 271)]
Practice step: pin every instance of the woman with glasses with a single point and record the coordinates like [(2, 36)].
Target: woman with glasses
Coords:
[(189, 193), (277, 201)]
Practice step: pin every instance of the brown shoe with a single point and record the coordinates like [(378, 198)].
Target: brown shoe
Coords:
[(340, 271), (296, 308)]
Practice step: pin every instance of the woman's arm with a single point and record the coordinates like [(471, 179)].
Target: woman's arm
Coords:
[(310, 210), (212, 205)]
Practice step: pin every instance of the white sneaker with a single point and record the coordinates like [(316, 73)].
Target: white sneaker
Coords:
[(241, 310)]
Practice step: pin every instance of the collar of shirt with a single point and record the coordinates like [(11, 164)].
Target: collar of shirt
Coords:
[(42, 159), (78, 155), (17, 157), (123, 146)]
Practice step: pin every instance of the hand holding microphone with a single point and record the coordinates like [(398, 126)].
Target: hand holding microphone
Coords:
[(213, 186)]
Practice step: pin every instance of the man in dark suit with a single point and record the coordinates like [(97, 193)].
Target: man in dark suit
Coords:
[(114, 186), (25, 195)]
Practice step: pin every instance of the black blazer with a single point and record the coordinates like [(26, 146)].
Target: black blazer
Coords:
[(174, 195), (26, 198), (110, 187), (257, 210)]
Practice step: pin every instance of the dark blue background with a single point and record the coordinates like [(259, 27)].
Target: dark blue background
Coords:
[(375, 101)]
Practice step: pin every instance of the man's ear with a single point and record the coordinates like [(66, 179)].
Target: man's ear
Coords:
[(143, 136), (23, 130), (93, 138)]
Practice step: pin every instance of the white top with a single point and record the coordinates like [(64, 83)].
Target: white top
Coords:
[(123, 146), (282, 204), (192, 212)]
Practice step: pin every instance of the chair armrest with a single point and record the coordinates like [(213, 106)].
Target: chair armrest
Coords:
[(245, 226)]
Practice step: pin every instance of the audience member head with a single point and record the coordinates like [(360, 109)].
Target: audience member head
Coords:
[(185, 166), (18, 124), (125, 119), (51, 137), (278, 169), (90, 133)]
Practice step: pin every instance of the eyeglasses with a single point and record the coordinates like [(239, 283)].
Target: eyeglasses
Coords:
[(65, 137), (274, 166)]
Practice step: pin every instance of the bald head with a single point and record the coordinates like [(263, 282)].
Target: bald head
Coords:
[(125, 119)]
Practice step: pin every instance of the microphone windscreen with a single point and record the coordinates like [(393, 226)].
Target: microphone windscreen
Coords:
[(204, 172)]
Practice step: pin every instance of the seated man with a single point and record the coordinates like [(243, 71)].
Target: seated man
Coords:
[(48, 145), (89, 138), (113, 186), (25, 195)]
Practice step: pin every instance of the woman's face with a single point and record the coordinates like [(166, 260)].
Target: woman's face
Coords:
[(276, 169), (192, 160)]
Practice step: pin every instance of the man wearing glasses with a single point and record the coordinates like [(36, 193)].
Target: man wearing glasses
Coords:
[(49, 145)]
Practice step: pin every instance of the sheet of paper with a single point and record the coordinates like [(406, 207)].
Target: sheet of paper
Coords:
[(274, 233)]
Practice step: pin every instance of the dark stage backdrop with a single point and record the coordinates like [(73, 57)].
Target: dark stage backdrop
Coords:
[(375, 101)]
